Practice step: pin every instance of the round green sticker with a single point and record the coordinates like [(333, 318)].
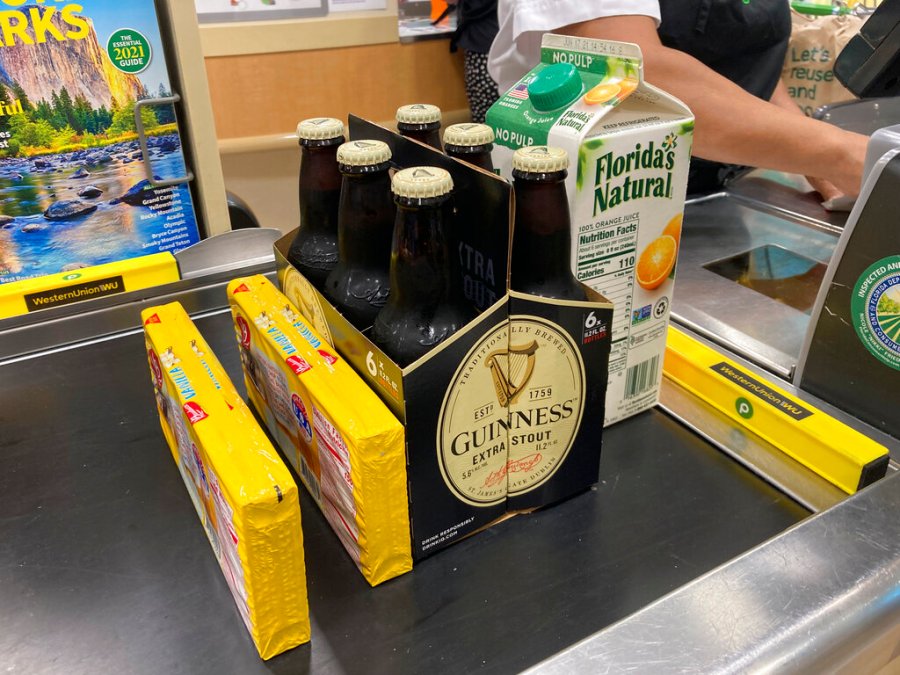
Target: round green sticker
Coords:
[(875, 310), (744, 408), (129, 50)]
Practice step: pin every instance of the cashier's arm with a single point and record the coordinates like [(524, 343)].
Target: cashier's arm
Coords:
[(733, 126)]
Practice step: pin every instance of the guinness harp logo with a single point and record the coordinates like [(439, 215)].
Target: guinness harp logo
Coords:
[(511, 411), (511, 370)]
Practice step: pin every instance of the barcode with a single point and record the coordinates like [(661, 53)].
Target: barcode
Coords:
[(309, 479), (641, 377)]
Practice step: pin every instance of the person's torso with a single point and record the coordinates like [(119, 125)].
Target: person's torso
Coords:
[(743, 40), (477, 25)]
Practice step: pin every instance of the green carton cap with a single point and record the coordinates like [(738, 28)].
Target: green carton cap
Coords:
[(555, 86)]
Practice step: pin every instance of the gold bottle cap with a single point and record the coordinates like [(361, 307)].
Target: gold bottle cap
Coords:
[(468, 134), (363, 153), (422, 182), (320, 129), (418, 113), (540, 159)]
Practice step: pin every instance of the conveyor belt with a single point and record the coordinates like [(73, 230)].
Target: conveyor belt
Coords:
[(104, 566)]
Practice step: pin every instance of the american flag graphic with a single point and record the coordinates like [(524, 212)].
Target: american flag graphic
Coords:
[(519, 91)]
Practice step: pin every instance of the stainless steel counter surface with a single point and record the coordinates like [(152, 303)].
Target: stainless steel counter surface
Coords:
[(105, 568), (824, 597), (762, 211)]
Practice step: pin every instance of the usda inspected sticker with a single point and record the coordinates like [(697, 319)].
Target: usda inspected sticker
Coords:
[(875, 310)]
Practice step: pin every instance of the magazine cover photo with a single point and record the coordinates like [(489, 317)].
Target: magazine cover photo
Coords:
[(74, 188)]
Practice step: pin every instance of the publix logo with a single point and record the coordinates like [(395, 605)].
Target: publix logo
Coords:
[(616, 183), (875, 310), (72, 277)]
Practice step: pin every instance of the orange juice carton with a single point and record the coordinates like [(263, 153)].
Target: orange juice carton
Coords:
[(630, 147)]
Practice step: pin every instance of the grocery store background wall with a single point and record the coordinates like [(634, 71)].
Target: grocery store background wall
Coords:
[(266, 76)]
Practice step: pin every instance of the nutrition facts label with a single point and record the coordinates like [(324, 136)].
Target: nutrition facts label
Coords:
[(607, 251)]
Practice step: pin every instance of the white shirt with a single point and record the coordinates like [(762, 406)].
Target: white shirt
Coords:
[(517, 47)]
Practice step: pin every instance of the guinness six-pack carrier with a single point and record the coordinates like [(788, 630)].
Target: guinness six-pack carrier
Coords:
[(505, 413)]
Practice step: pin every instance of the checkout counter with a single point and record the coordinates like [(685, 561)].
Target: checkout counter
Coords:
[(105, 566), (681, 555), (702, 549)]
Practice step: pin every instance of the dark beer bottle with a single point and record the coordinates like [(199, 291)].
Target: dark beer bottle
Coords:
[(314, 250), (470, 143), (422, 122), (422, 309), (358, 286), (542, 238)]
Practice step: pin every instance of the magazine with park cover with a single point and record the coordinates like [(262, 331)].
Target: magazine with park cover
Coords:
[(74, 189)]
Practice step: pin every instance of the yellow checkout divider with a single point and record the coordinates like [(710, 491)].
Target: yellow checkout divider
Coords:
[(840, 454), (65, 288)]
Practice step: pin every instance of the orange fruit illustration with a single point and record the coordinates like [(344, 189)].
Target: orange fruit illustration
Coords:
[(656, 262), (601, 93), (673, 228)]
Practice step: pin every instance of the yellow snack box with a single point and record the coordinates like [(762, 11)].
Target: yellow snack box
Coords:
[(185, 333), (244, 495), (344, 443)]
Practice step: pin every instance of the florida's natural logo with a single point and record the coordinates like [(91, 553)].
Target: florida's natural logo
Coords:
[(616, 182), (670, 143)]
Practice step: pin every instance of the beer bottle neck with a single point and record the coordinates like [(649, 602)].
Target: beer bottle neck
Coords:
[(420, 263), (366, 217), (479, 155), (542, 238), (427, 133), (320, 185)]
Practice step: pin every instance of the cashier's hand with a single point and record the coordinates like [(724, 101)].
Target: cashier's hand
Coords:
[(850, 174), (826, 189), (846, 172)]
